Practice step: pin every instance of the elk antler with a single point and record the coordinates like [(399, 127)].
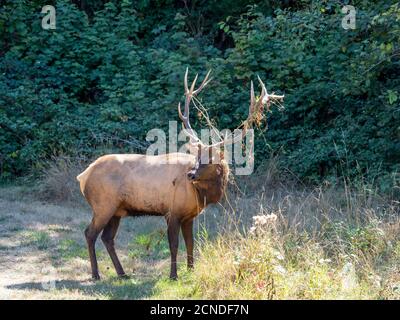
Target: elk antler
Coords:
[(255, 115), (190, 93), (267, 98)]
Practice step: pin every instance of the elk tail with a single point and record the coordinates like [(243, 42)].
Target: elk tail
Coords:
[(82, 177)]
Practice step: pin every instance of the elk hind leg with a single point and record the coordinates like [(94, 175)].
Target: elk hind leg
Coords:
[(91, 233), (108, 237)]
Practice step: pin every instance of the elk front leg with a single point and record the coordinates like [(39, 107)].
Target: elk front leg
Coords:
[(173, 239), (187, 231)]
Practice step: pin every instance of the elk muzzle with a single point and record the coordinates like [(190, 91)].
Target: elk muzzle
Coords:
[(192, 175)]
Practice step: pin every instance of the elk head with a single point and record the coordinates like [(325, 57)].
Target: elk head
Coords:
[(205, 167)]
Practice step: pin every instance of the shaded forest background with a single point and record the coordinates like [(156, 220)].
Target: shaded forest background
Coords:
[(112, 70)]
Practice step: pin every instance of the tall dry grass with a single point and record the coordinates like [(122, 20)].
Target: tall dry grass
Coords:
[(274, 238), (288, 241), (57, 181), (282, 258)]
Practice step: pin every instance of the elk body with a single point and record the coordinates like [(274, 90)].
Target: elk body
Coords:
[(177, 186)]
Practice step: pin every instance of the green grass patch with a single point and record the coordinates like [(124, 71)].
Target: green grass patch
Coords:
[(185, 287), (70, 249), (40, 239), (149, 245), (124, 289)]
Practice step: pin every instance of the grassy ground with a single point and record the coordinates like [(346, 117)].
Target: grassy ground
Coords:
[(272, 243), (43, 252)]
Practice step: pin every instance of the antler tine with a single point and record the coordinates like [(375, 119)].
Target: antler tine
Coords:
[(187, 127), (265, 97), (204, 83), (181, 116), (185, 81), (252, 98), (263, 89), (190, 93), (276, 97)]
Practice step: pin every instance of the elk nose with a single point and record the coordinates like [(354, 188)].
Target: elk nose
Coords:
[(191, 175)]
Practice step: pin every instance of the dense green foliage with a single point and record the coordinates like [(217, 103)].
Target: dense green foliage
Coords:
[(112, 70)]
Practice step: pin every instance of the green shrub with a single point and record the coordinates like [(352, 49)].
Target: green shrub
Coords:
[(112, 70)]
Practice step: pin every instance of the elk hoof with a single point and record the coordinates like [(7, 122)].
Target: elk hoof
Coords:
[(123, 276), (173, 277), (95, 277)]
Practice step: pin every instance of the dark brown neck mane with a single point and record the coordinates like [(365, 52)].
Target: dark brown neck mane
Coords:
[(211, 190)]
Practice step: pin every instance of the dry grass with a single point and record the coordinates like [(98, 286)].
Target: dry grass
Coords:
[(58, 181), (298, 243), (43, 253), (328, 242), (276, 262)]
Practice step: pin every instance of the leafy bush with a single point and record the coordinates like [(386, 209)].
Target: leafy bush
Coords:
[(112, 70)]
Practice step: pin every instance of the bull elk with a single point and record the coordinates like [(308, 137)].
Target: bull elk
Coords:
[(177, 186)]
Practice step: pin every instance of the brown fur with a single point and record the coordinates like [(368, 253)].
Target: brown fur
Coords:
[(123, 185), (211, 188)]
